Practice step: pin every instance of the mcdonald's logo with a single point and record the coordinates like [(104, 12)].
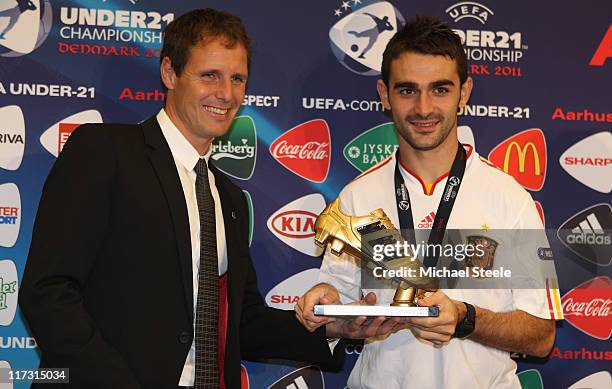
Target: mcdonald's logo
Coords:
[(523, 156)]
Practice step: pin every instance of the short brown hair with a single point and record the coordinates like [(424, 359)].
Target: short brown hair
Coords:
[(425, 35), (198, 26)]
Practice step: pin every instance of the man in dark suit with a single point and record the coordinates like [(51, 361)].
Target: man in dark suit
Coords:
[(117, 286)]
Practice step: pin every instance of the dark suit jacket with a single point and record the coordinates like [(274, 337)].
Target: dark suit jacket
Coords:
[(107, 289)]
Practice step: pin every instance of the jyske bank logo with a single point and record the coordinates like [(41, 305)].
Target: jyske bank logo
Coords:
[(308, 377), (287, 293), (589, 234), (359, 38), (294, 223), (235, 153), (10, 214), (305, 150), (24, 26), (371, 146), (54, 138), (523, 156), (590, 161), (8, 292), (588, 307), (12, 137)]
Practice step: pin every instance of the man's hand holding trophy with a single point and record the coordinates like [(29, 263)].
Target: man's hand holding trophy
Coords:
[(359, 236)]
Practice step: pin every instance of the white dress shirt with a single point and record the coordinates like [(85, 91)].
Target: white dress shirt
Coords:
[(185, 157)]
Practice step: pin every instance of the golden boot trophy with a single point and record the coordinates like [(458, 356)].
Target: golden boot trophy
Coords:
[(357, 236)]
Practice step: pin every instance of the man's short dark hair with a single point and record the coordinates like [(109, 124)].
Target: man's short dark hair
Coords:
[(425, 35), (199, 26)]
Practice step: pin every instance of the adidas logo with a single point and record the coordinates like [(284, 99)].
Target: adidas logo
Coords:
[(588, 234), (589, 225), (427, 222)]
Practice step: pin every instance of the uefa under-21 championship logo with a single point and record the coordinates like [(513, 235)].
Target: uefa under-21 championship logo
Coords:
[(359, 38), (24, 26)]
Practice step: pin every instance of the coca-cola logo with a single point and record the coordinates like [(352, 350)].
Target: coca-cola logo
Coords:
[(595, 307), (588, 307), (310, 150), (305, 150)]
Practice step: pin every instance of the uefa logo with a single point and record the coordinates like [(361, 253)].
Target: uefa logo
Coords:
[(359, 38), (24, 26)]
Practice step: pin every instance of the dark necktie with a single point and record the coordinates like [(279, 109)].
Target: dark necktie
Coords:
[(206, 320)]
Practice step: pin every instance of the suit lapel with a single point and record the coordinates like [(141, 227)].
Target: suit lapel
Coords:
[(163, 163)]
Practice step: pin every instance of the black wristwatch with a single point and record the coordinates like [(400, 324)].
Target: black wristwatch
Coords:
[(466, 326)]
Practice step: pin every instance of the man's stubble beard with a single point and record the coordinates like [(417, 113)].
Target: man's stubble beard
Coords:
[(406, 135)]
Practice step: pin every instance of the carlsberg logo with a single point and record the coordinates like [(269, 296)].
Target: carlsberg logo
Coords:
[(230, 150), (235, 153)]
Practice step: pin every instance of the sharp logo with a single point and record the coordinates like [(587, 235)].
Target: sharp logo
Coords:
[(604, 50), (359, 38), (10, 214), (599, 380), (371, 146), (590, 161), (8, 292), (523, 156), (235, 153), (308, 377), (12, 137), (588, 307), (54, 138), (24, 26), (589, 234), (293, 224), (305, 150), (469, 9), (286, 294), (530, 379)]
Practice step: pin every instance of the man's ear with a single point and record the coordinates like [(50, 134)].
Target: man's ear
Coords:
[(466, 91), (168, 75), (383, 93)]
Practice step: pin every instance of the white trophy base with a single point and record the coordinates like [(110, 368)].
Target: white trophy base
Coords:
[(374, 311)]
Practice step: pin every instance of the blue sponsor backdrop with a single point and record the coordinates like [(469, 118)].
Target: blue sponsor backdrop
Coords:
[(60, 58)]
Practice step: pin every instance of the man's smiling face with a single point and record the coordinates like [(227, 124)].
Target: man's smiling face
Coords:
[(204, 98), (424, 94)]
